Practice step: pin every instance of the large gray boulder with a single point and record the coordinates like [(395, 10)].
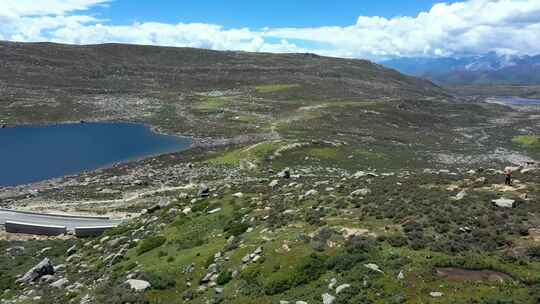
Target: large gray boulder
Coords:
[(285, 173), (361, 192), (61, 283), (45, 267), (504, 203), (138, 285), (204, 190), (328, 298)]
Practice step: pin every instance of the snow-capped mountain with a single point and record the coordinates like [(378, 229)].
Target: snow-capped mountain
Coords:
[(489, 68)]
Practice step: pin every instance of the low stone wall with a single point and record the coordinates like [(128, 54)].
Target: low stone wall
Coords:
[(57, 214), (91, 231), (27, 228)]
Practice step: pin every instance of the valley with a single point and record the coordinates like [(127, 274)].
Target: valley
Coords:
[(310, 180)]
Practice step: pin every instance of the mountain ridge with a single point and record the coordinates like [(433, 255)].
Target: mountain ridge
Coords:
[(489, 68)]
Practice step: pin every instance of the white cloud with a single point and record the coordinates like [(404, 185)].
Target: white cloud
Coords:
[(474, 26), (24, 8)]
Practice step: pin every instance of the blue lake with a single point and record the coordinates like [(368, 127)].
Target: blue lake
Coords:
[(34, 153)]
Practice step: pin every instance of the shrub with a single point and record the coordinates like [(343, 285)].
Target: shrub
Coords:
[(112, 294), (200, 206), (344, 262), (160, 279), (353, 294), (397, 241), (7, 282), (209, 261), (313, 217), (224, 277), (235, 228), (278, 283), (534, 253), (361, 244), (308, 269), (151, 243)]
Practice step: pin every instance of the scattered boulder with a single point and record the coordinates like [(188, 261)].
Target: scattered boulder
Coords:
[(361, 192), (214, 211), (138, 285), (285, 173), (328, 298), (273, 183), (332, 283), (47, 278), (461, 195), (44, 267), (360, 174), (373, 267), (204, 190), (342, 287), (311, 192), (61, 283), (504, 203), (15, 251), (59, 268), (117, 241), (71, 250), (436, 294)]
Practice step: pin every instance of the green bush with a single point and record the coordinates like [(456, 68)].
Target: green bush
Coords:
[(224, 277), (534, 253), (200, 206), (308, 269), (397, 241), (353, 294), (112, 294), (7, 282), (160, 279), (361, 244), (150, 243), (235, 228), (345, 261)]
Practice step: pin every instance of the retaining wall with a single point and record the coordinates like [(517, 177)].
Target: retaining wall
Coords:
[(57, 214), (91, 231), (27, 228)]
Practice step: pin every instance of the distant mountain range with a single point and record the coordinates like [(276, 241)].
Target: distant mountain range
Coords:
[(490, 68)]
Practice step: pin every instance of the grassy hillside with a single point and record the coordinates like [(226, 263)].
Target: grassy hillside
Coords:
[(159, 85)]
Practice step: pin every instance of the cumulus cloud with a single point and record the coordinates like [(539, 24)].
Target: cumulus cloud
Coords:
[(469, 27)]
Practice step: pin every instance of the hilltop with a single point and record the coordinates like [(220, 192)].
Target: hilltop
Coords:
[(144, 83)]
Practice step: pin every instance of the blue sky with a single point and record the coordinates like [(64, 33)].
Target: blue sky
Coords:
[(259, 14), (375, 30)]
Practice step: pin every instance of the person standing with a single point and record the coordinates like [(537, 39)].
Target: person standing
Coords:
[(508, 175)]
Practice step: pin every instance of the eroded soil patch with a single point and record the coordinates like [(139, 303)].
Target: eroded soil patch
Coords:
[(461, 275)]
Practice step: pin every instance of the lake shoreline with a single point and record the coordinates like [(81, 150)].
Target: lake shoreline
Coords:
[(197, 143), (157, 144)]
